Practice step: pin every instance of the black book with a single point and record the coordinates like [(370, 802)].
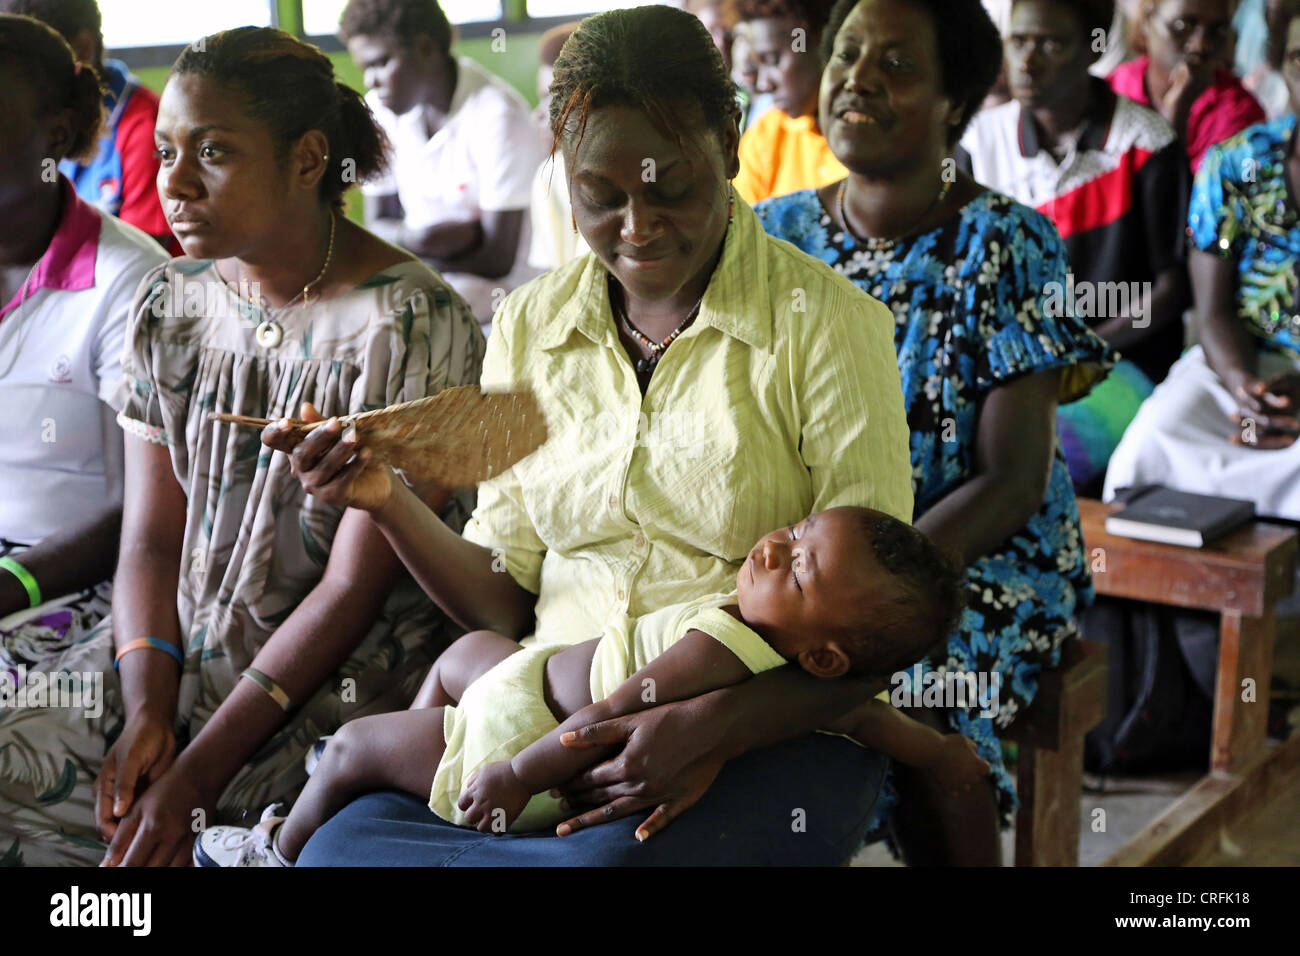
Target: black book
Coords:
[(1162, 514)]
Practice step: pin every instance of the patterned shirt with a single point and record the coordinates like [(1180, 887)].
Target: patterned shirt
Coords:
[(1241, 210), (1118, 197), (970, 315), (1224, 109)]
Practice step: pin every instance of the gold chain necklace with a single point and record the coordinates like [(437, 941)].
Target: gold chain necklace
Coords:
[(877, 244)]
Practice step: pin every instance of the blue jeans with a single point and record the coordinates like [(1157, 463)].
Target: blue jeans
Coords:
[(806, 802)]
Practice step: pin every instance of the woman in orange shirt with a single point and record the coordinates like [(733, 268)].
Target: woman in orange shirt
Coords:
[(784, 150)]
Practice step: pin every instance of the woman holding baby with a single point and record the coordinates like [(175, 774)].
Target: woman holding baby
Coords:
[(684, 307)]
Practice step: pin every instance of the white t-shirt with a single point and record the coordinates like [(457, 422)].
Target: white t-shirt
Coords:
[(554, 241), (60, 356), (483, 158)]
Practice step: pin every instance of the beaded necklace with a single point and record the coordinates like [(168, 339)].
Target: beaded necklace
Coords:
[(647, 365)]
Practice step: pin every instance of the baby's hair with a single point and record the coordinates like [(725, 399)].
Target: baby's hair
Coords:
[(901, 625)]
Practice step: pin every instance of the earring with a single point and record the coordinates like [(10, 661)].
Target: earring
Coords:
[(574, 222), (731, 203)]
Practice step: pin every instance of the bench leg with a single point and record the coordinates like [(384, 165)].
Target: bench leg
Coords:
[(1245, 651), (1048, 783)]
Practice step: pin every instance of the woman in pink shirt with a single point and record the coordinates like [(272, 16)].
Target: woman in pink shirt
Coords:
[(1182, 74)]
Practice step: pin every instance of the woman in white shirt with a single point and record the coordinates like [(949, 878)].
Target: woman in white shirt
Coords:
[(67, 276)]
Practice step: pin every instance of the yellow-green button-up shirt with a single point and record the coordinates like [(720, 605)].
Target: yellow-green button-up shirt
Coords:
[(782, 398)]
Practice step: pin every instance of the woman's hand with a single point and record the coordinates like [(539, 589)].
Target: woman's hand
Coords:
[(329, 468), (1268, 411), (143, 753), (957, 764), (670, 757), (159, 830), (1186, 84)]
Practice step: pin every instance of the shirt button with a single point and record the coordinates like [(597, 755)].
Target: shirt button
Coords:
[(613, 501), (622, 595), (639, 541)]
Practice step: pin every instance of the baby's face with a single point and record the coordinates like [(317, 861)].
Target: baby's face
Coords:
[(801, 584)]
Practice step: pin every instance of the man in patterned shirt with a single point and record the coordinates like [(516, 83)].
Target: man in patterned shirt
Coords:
[(1109, 173)]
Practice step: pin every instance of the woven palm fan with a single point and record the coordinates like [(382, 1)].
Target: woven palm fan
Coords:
[(457, 438)]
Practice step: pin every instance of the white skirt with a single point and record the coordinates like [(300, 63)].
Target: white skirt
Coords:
[(1182, 437)]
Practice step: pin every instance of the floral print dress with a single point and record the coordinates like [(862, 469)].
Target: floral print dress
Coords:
[(968, 302), (255, 545), (1242, 209)]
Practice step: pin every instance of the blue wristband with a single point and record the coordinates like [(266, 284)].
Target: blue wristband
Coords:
[(140, 643)]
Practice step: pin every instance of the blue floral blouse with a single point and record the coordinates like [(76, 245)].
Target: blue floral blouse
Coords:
[(968, 300)]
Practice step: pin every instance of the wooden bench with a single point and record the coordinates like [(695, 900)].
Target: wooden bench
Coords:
[(1242, 576), (1071, 700)]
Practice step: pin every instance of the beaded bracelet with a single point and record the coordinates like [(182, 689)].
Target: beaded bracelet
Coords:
[(140, 643), (275, 691), (25, 579)]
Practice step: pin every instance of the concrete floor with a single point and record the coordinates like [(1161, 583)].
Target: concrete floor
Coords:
[(1269, 837)]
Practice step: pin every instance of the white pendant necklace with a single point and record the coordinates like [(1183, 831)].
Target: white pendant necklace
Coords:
[(270, 331)]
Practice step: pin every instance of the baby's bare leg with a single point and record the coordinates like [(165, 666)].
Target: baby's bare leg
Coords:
[(567, 681), (468, 659), (386, 751)]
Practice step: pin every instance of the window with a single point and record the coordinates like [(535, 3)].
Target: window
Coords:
[(573, 8), (321, 17), (141, 23)]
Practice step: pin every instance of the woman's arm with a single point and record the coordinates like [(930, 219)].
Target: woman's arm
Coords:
[(148, 573), (1014, 446), (1229, 348), (672, 752), (466, 580), (144, 605), (301, 655), (80, 555), (951, 757)]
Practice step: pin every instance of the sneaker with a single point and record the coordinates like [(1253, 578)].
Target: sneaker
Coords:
[(314, 754), (242, 846)]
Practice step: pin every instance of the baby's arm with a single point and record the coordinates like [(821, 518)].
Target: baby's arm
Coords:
[(952, 758), (693, 666)]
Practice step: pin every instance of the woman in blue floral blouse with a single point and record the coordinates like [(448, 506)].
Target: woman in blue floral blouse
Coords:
[(967, 273)]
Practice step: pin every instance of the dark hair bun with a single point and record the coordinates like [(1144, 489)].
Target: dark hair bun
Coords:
[(37, 54), (290, 86)]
